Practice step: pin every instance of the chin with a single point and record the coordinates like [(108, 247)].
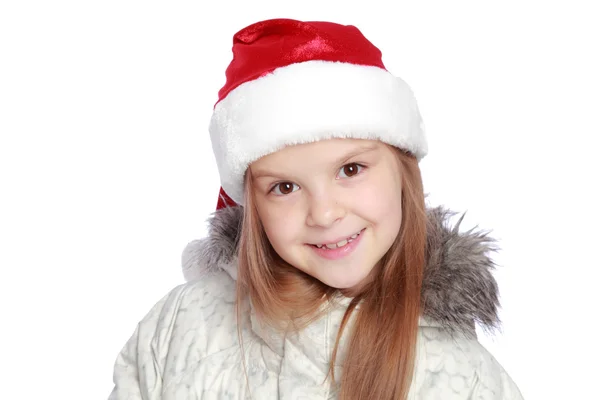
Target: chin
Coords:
[(345, 282), (336, 274)]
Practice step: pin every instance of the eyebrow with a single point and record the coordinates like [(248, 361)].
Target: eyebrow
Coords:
[(340, 160)]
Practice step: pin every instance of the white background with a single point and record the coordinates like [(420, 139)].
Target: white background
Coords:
[(107, 172)]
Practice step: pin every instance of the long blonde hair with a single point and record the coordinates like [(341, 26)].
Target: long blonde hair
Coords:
[(380, 353)]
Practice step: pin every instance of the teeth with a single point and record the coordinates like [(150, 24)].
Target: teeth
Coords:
[(341, 243)]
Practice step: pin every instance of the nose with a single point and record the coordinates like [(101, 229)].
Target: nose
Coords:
[(324, 211)]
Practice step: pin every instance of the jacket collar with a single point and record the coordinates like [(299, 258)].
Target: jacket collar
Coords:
[(458, 291)]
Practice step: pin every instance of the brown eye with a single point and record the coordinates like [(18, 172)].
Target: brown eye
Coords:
[(349, 170), (284, 188)]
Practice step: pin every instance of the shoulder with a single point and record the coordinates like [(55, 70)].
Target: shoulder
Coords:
[(178, 327), (211, 287), (461, 365), (189, 307)]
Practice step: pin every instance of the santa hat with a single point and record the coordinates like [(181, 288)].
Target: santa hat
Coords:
[(293, 82)]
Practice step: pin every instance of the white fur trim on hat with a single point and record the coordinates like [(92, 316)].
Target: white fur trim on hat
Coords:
[(307, 102)]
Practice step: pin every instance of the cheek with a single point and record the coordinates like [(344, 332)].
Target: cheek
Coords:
[(280, 226), (381, 201)]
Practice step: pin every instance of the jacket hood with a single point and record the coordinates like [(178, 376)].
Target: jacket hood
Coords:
[(458, 290)]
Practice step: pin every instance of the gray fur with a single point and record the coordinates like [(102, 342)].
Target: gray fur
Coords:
[(459, 289), (218, 250)]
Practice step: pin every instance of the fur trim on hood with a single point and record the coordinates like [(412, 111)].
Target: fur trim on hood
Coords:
[(458, 291)]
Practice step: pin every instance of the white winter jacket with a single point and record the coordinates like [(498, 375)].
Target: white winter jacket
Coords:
[(187, 346)]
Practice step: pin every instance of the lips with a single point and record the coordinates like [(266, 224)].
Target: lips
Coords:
[(340, 243), (332, 251)]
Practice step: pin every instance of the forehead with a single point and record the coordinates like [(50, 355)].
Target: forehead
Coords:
[(320, 152)]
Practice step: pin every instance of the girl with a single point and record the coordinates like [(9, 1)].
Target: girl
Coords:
[(324, 276)]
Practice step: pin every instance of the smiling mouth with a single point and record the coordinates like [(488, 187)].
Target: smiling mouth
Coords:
[(339, 244)]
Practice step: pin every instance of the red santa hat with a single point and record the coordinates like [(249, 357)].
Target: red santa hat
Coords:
[(293, 82)]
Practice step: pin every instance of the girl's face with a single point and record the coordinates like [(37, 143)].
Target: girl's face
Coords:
[(314, 199)]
